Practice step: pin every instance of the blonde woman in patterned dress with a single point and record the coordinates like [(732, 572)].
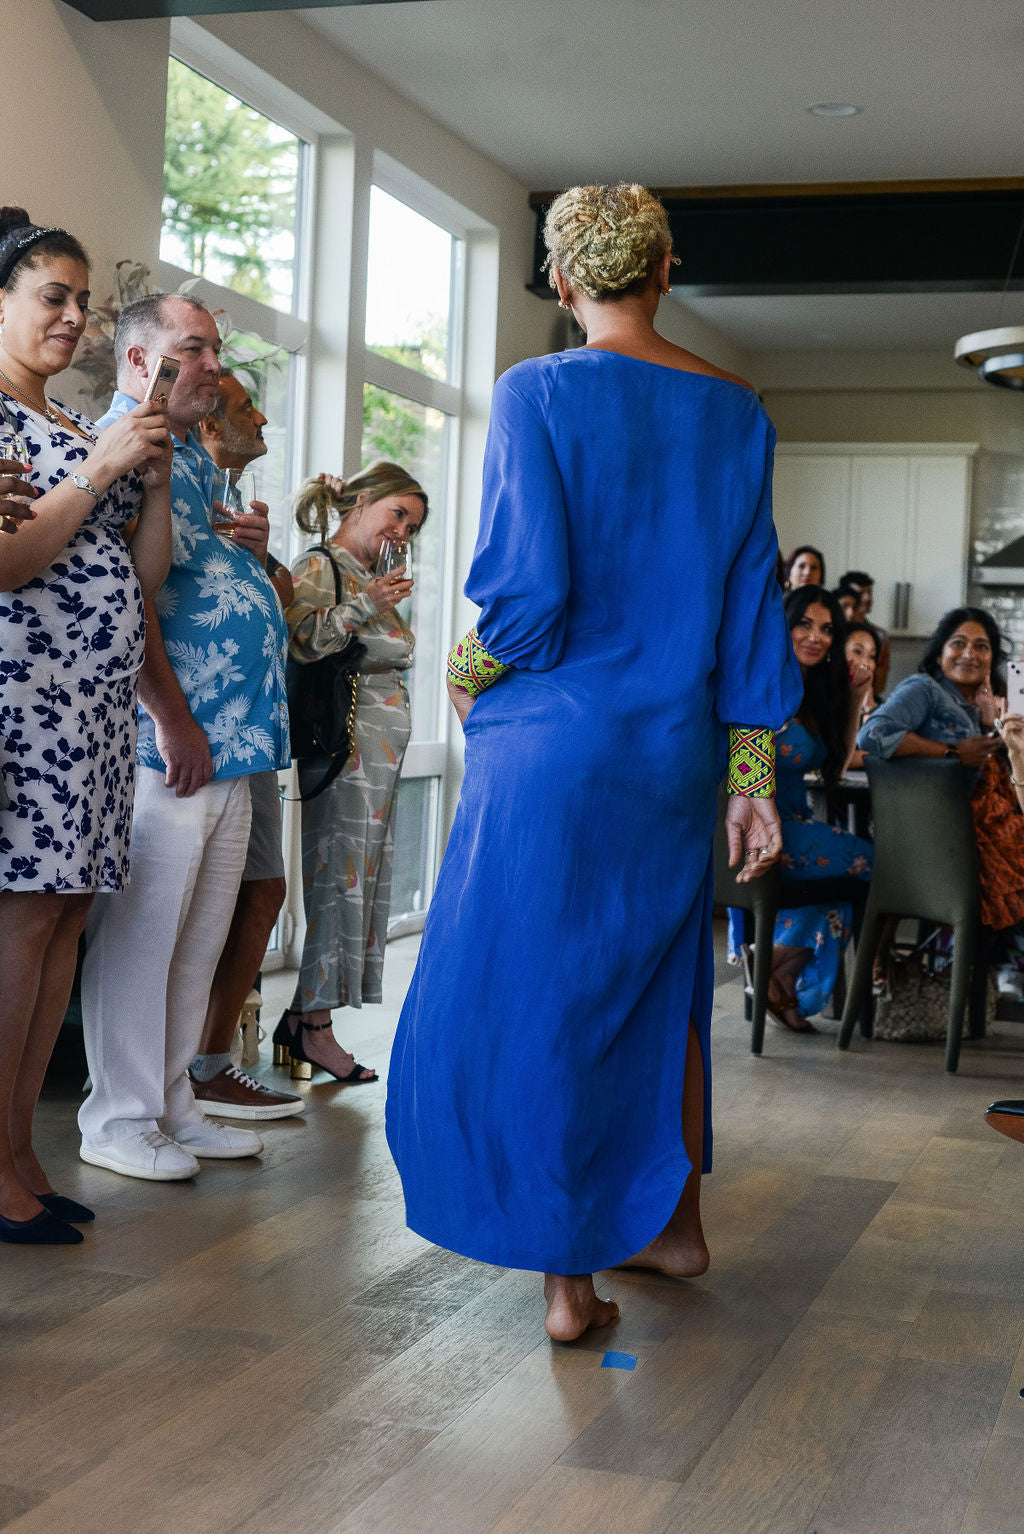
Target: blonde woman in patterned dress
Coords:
[(347, 831)]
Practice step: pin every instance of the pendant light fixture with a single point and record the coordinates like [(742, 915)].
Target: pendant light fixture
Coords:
[(997, 355)]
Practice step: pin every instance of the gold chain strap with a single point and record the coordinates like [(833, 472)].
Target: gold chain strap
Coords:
[(350, 723)]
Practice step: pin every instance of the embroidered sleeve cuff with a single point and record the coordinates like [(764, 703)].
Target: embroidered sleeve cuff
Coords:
[(471, 668), (752, 762)]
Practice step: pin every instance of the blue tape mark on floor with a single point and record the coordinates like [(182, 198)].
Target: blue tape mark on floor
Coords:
[(619, 1361)]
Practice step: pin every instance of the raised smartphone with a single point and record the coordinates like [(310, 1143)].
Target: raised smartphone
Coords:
[(1015, 687), (162, 382)]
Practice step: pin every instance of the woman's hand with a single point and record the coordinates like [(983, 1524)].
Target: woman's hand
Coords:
[(1011, 728), (158, 470), (386, 591), (754, 833), (13, 508), (862, 674), (333, 483), (134, 441), (975, 751), (462, 701), (989, 707)]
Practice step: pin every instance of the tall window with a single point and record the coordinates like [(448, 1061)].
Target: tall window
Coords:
[(234, 211), (235, 228), (231, 191), (412, 402)]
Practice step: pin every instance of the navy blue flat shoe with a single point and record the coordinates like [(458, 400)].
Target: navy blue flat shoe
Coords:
[(68, 1209), (42, 1230)]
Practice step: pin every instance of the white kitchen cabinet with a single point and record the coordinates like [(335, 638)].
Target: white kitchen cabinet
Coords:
[(899, 510)]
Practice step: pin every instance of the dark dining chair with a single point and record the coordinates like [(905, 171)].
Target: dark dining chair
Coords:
[(926, 865), (764, 898)]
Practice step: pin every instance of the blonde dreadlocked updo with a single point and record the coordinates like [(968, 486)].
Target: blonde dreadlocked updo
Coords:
[(316, 503), (606, 240)]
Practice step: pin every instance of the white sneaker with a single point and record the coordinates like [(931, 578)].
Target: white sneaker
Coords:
[(151, 1154), (217, 1141)]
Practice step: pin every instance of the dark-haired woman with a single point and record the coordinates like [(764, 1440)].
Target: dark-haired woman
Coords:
[(948, 710), (809, 940), (804, 567), (860, 643), (71, 644)]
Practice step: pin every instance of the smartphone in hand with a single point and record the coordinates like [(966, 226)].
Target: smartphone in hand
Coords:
[(1015, 687), (162, 382)]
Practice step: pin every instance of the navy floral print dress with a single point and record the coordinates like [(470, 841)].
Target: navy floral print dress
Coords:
[(811, 849), (71, 645)]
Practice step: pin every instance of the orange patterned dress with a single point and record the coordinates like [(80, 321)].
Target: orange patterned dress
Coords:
[(999, 827)]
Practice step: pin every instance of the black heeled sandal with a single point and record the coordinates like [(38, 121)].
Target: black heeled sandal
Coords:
[(303, 1067), (284, 1036)]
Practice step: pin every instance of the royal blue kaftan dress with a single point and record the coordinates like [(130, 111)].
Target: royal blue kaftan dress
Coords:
[(625, 569)]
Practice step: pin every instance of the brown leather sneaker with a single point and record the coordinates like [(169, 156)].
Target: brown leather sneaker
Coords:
[(231, 1094), (1007, 1118)]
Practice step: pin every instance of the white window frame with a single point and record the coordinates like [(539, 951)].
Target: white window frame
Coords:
[(293, 331), (328, 397), (431, 757)]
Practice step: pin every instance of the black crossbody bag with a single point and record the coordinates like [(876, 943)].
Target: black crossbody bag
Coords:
[(322, 701)]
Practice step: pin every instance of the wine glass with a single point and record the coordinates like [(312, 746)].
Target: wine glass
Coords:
[(395, 554), (14, 447), (233, 489)]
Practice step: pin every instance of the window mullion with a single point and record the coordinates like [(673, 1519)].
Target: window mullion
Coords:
[(419, 387)]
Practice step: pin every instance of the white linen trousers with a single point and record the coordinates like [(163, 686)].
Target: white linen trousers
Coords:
[(151, 954)]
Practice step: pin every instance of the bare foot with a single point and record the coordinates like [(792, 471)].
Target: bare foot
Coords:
[(573, 1306), (680, 1250), (678, 1255)]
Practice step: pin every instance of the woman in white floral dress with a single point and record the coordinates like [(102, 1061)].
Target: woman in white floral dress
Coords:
[(348, 830), (71, 637)]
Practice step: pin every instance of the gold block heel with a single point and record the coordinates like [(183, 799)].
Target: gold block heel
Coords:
[(302, 1070), (282, 1054)]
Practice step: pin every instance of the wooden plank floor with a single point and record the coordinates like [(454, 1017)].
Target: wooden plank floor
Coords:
[(269, 1349)]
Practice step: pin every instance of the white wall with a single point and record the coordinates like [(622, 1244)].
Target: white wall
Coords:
[(917, 398), (82, 108)]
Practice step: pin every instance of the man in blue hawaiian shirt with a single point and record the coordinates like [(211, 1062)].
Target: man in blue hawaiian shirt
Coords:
[(213, 712)]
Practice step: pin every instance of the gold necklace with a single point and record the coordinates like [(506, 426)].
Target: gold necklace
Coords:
[(44, 410)]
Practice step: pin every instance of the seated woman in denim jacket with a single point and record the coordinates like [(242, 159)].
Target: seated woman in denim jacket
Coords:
[(948, 709)]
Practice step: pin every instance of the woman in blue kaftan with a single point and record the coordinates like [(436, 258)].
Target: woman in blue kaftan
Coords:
[(625, 572)]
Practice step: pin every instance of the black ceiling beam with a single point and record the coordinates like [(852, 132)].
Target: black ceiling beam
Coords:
[(147, 10), (952, 240)]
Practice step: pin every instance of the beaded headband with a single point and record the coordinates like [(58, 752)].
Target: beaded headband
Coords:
[(16, 242)]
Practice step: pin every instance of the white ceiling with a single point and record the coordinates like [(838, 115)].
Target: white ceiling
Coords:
[(681, 93), (856, 321)]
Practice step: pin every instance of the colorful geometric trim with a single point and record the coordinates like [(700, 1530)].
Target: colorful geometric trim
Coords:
[(471, 667), (751, 762)]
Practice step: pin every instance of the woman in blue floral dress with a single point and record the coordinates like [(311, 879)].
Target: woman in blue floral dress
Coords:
[(71, 643), (809, 941)]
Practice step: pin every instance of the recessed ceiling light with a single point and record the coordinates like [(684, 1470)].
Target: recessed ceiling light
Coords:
[(834, 109)]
